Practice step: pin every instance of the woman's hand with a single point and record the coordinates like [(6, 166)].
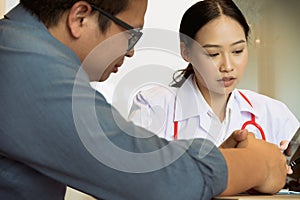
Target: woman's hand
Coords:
[(286, 148)]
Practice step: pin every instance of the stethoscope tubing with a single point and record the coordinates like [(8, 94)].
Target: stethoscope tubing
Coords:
[(250, 122)]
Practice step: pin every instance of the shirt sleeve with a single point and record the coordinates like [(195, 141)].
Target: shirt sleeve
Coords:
[(96, 151), (139, 112), (57, 131), (153, 110), (289, 124)]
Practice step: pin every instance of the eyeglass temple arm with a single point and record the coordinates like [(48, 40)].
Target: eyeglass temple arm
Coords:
[(118, 21)]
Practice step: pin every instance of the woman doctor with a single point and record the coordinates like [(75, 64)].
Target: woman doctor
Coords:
[(205, 102)]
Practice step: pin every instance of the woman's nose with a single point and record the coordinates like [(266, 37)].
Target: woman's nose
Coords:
[(226, 68), (226, 65)]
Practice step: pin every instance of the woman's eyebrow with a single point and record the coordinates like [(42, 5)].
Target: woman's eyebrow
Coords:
[(219, 46), (211, 46), (238, 42)]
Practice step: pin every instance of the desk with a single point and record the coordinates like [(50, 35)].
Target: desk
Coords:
[(259, 197)]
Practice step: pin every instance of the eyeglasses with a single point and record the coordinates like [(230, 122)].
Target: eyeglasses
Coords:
[(135, 33)]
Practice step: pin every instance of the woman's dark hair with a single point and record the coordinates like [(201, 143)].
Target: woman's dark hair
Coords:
[(199, 15), (49, 11)]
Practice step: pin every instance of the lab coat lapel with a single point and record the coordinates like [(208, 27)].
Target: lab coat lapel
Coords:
[(190, 103)]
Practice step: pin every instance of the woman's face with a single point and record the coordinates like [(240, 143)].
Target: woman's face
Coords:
[(220, 63)]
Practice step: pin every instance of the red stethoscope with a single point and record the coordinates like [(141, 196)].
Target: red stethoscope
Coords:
[(250, 122)]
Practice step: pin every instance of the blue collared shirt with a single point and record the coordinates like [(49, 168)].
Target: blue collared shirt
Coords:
[(57, 131)]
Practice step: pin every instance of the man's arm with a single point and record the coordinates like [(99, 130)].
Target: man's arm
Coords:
[(255, 165)]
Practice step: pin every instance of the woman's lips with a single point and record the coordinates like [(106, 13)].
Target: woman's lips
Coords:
[(227, 81)]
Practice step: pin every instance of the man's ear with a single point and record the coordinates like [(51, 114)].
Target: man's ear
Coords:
[(184, 52), (79, 11)]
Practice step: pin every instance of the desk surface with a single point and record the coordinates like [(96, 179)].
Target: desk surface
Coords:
[(259, 197)]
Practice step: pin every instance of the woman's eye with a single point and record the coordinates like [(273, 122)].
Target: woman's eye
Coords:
[(238, 51), (212, 54)]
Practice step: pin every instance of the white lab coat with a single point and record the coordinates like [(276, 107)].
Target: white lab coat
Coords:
[(157, 108)]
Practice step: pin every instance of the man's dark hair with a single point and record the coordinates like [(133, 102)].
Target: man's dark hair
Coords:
[(50, 11)]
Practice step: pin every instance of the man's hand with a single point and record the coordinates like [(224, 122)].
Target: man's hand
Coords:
[(235, 138), (275, 163), (256, 164)]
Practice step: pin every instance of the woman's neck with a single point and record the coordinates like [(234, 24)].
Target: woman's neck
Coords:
[(216, 101)]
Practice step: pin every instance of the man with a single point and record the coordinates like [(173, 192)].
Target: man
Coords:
[(48, 135)]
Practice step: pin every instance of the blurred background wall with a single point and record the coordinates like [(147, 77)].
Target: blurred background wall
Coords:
[(274, 67)]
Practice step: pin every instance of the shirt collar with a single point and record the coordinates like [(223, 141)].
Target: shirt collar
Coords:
[(242, 103), (189, 101), (19, 13), (29, 23)]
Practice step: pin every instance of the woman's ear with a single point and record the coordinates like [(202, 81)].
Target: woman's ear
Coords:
[(76, 18), (184, 51)]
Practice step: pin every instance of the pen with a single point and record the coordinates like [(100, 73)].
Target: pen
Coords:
[(295, 162)]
